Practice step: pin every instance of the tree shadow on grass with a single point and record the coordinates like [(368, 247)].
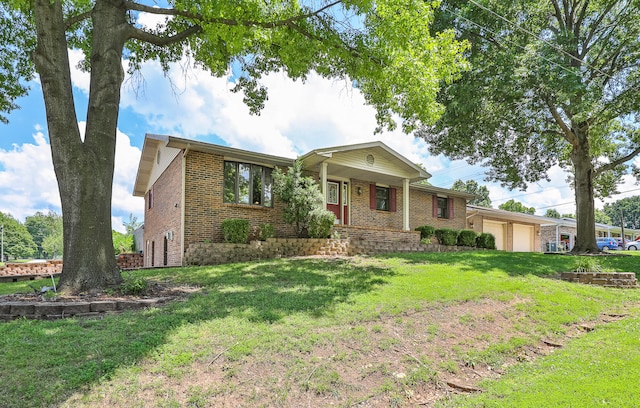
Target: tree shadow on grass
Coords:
[(511, 263), (43, 362)]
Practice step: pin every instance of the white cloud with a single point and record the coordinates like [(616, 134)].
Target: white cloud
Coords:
[(28, 183), (297, 117)]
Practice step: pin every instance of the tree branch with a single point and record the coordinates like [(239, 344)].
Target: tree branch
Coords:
[(596, 23), (558, 12), (69, 22), (617, 162), (227, 21), (154, 39), (566, 130)]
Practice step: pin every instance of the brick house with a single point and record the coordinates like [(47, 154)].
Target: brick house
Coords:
[(190, 187)]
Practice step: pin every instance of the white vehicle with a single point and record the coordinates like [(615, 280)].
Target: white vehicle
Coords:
[(632, 245)]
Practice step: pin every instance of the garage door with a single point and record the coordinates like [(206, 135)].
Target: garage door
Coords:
[(498, 231), (522, 238)]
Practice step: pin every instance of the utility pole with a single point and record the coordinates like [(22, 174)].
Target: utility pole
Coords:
[(622, 227)]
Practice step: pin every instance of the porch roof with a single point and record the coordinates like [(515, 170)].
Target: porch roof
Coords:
[(372, 161)]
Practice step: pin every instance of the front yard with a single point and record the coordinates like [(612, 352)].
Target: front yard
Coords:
[(404, 330)]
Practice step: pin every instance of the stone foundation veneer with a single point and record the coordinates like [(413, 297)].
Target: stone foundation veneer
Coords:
[(611, 279)]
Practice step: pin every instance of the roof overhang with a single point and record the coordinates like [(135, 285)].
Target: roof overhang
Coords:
[(443, 191), (228, 152), (149, 149), (510, 215), (152, 143)]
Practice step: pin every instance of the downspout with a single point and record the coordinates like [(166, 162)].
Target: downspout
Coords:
[(471, 216), (183, 201)]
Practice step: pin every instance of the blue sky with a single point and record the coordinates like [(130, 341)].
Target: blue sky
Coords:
[(192, 104)]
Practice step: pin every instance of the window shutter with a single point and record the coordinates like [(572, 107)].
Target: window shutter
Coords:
[(450, 206), (392, 199), (434, 201), (372, 196)]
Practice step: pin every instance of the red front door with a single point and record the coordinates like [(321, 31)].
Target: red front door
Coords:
[(338, 200), (334, 199)]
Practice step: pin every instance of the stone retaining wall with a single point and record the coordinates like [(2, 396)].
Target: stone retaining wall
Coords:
[(15, 271), (611, 279), (130, 261), (220, 253), (34, 269), (57, 310)]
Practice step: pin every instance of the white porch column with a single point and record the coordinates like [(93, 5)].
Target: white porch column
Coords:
[(323, 183), (405, 204)]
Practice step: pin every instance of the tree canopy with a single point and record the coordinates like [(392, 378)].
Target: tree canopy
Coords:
[(384, 47), (516, 206), (552, 213), (40, 226), (472, 187), (627, 209), (17, 240), (552, 83)]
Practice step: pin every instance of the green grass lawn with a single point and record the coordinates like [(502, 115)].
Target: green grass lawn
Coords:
[(320, 332)]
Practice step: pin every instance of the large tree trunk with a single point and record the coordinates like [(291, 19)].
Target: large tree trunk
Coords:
[(84, 168), (585, 217)]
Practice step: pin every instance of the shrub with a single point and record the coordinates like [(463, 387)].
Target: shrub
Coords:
[(426, 241), (447, 236), (486, 240), (588, 264), (426, 231), (133, 285), (467, 238), (320, 223), (235, 231), (266, 231)]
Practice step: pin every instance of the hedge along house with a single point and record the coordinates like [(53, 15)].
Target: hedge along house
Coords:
[(190, 187)]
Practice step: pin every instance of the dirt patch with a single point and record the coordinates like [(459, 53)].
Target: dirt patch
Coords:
[(410, 359)]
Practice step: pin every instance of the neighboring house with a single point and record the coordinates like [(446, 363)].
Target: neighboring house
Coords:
[(190, 187), (516, 232), (562, 232)]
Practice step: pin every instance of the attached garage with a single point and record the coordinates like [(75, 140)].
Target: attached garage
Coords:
[(498, 229), (523, 238), (514, 231)]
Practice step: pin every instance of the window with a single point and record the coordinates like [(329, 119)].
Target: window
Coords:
[(443, 207), (247, 184), (332, 193), (382, 198), (150, 202)]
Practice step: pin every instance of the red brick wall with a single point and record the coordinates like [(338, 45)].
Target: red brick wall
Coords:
[(205, 209), (164, 217), (362, 215), (421, 211)]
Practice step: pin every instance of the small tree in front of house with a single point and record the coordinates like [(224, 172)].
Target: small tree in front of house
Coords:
[(300, 195)]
